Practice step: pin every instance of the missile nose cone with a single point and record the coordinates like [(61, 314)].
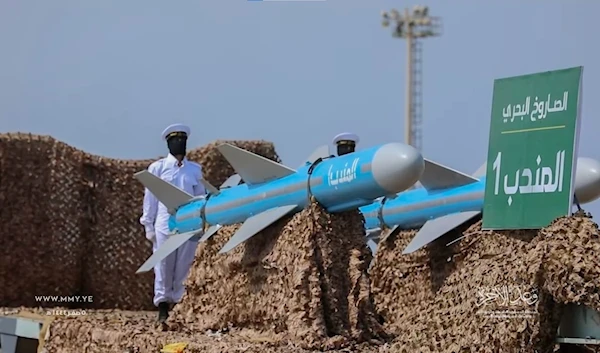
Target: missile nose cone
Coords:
[(397, 166), (587, 180)]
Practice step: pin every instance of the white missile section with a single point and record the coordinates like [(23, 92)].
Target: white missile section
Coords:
[(169, 195), (252, 168), (255, 224), (587, 180)]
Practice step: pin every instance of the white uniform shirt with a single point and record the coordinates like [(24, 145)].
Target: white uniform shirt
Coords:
[(155, 217)]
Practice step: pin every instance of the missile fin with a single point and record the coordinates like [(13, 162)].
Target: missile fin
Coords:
[(481, 171), (435, 228), (169, 246), (209, 187), (253, 169), (255, 224), (232, 181), (320, 152), (212, 230), (374, 234), (388, 233), (437, 176), (168, 194)]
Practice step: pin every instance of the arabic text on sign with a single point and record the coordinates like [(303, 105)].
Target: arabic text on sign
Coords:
[(540, 108), (546, 179)]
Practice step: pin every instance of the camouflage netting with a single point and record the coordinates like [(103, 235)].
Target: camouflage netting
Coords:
[(136, 332), (303, 280), (440, 299), (300, 284), (40, 198), (71, 225)]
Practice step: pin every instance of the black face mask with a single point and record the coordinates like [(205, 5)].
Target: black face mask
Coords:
[(345, 149), (177, 145)]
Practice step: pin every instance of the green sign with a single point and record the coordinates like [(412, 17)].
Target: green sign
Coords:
[(533, 142)]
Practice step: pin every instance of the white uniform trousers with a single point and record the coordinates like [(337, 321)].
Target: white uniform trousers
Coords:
[(172, 271)]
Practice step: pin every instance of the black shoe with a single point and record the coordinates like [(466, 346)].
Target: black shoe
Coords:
[(163, 312)]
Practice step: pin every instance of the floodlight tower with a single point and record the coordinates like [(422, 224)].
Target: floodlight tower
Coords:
[(413, 25)]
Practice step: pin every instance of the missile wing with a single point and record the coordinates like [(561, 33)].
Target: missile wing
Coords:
[(210, 189), (436, 228), (172, 244), (437, 177), (255, 224), (170, 196), (252, 168), (232, 181), (320, 152)]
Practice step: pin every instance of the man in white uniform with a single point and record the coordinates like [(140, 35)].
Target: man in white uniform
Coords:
[(346, 143), (176, 169)]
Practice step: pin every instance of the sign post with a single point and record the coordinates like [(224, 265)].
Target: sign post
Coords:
[(532, 150)]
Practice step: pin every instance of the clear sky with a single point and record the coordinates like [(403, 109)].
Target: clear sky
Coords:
[(107, 76)]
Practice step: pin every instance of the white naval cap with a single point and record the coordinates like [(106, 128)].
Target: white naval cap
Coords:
[(175, 128), (345, 136)]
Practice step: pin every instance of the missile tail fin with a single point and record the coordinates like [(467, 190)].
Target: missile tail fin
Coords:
[(435, 228), (437, 177), (209, 187), (169, 246), (481, 171), (255, 224), (320, 152), (388, 233), (374, 234), (212, 230), (253, 169), (168, 194), (232, 181)]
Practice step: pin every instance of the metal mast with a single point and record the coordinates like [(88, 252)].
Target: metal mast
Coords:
[(413, 25)]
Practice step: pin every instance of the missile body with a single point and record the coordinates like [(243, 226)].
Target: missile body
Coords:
[(413, 208), (437, 210), (272, 190), (339, 184)]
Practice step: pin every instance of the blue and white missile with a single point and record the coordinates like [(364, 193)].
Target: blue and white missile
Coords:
[(448, 199), (272, 190)]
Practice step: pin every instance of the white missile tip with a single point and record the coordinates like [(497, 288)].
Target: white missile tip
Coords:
[(397, 166)]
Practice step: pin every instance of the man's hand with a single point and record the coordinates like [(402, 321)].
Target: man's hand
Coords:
[(151, 235)]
